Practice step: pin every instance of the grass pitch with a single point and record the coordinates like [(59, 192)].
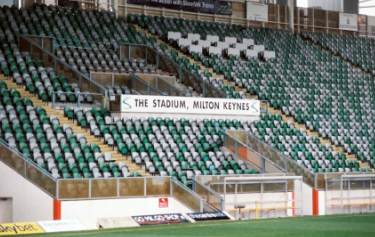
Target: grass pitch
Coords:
[(330, 226)]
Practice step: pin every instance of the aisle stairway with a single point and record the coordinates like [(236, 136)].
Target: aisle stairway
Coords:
[(116, 156), (264, 104)]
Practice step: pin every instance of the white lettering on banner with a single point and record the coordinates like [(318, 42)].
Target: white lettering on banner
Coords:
[(348, 21), (189, 105)]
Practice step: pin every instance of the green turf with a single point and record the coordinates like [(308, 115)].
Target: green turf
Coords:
[(330, 226)]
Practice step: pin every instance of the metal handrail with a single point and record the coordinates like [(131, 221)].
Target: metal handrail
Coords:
[(205, 85), (84, 76), (285, 159), (256, 152), (24, 159)]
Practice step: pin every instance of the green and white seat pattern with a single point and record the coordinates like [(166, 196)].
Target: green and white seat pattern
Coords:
[(150, 140), (176, 147), (39, 80), (48, 144), (316, 88), (353, 48), (97, 31)]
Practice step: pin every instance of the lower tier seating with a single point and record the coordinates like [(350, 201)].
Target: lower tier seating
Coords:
[(186, 147), (49, 144)]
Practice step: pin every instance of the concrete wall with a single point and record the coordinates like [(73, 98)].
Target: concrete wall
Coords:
[(88, 212), (29, 202), (306, 200)]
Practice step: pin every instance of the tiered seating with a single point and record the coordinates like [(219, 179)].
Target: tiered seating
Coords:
[(230, 46), (316, 88), (176, 147), (307, 151), (297, 81), (37, 79), (204, 75), (87, 59), (98, 32), (353, 48), (164, 146), (49, 144)]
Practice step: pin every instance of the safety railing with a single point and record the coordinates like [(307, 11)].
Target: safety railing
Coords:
[(48, 59), (166, 64), (27, 168), (213, 198), (264, 157), (257, 195), (349, 193), (78, 99), (125, 8), (100, 188), (45, 42), (190, 198)]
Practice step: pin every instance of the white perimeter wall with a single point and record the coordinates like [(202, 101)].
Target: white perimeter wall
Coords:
[(29, 202), (89, 211), (307, 201)]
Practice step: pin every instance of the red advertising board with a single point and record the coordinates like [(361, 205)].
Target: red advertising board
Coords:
[(163, 202)]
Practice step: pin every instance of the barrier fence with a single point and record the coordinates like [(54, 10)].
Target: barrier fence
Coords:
[(263, 157), (101, 188), (343, 192), (48, 59), (257, 196), (79, 99), (349, 193), (162, 62)]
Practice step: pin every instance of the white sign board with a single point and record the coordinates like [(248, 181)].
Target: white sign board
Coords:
[(256, 11), (189, 105), (348, 22), (62, 225)]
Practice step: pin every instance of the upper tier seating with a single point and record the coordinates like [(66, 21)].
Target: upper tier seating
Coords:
[(316, 88), (38, 79), (229, 46), (48, 144), (87, 59), (91, 30), (358, 50)]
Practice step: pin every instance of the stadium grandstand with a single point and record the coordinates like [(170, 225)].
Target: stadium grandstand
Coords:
[(245, 116)]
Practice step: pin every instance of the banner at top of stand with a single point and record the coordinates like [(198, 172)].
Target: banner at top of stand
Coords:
[(189, 105), (203, 6)]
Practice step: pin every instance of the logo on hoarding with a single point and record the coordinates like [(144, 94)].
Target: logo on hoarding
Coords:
[(163, 202), (20, 228), (174, 218), (208, 216)]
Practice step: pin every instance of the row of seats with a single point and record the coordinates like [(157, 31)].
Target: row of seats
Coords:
[(88, 59), (144, 139), (78, 39), (176, 147), (52, 146), (231, 46), (185, 148), (353, 48), (317, 88), (38, 79)]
